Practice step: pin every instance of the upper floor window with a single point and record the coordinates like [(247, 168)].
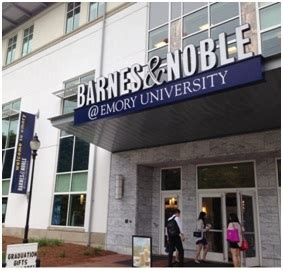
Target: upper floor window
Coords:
[(73, 16), (96, 10), (27, 42), (172, 26), (70, 100), (270, 27), (12, 43)]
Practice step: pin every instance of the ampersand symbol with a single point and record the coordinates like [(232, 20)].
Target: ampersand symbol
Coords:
[(153, 66)]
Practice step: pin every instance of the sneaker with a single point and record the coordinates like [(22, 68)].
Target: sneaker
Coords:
[(196, 261)]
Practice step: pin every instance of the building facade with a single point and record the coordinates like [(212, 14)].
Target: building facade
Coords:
[(103, 180)]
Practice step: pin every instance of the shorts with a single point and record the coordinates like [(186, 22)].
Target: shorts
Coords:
[(233, 245), (203, 242)]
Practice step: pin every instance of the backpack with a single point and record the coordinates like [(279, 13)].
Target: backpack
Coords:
[(172, 228)]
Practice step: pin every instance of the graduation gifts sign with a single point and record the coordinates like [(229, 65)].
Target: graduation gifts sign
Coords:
[(23, 153)]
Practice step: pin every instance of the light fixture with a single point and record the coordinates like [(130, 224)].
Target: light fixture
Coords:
[(82, 198), (119, 183), (232, 50), (161, 43), (203, 209), (203, 27), (34, 143)]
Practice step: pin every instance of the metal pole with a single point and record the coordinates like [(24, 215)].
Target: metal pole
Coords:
[(34, 154)]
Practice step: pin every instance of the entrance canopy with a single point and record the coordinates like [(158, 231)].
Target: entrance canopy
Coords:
[(246, 109)]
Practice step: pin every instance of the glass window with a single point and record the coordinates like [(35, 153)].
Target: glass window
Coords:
[(191, 6), (158, 14), (223, 11), (279, 172), (4, 208), (62, 183), (95, 10), (195, 22), (13, 126), (70, 188), (195, 39), (5, 187), (175, 10), (73, 16), (79, 181), (60, 207), (228, 28), (27, 42), (81, 155), (262, 4), (226, 176), (5, 128), (158, 37), (9, 133), (8, 163), (270, 16), (65, 154), (162, 52), (70, 104), (271, 42), (12, 43), (171, 179), (77, 210)]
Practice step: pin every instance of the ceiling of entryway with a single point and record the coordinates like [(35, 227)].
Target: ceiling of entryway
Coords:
[(16, 13)]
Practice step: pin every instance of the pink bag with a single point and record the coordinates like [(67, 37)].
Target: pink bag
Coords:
[(233, 235)]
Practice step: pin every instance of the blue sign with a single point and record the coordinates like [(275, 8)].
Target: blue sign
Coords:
[(23, 153), (219, 79)]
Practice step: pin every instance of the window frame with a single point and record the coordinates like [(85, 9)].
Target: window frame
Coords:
[(29, 45), (10, 107), (73, 15), (226, 163), (100, 4), (181, 178), (12, 58), (183, 15), (71, 172), (260, 32)]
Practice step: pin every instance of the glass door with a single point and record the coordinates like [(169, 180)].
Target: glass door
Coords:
[(170, 201), (248, 218), (212, 205), (218, 206)]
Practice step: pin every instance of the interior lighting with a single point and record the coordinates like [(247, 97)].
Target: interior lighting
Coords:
[(232, 50), (82, 198), (203, 209), (204, 27), (161, 43)]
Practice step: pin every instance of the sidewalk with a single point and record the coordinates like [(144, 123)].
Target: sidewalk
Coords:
[(119, 260)]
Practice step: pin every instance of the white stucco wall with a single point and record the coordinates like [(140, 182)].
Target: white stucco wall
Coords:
[(36, 78)]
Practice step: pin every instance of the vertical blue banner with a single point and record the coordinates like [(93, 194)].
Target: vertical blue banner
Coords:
[(23, 153)]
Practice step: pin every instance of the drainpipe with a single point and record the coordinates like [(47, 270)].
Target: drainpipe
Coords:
[(95, 147)]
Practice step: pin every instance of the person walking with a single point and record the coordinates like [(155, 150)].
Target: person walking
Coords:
[(201, 242), (175, 237), (234, 225)]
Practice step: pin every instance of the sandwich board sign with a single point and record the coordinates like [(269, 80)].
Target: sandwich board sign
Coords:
[(21, 255)]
